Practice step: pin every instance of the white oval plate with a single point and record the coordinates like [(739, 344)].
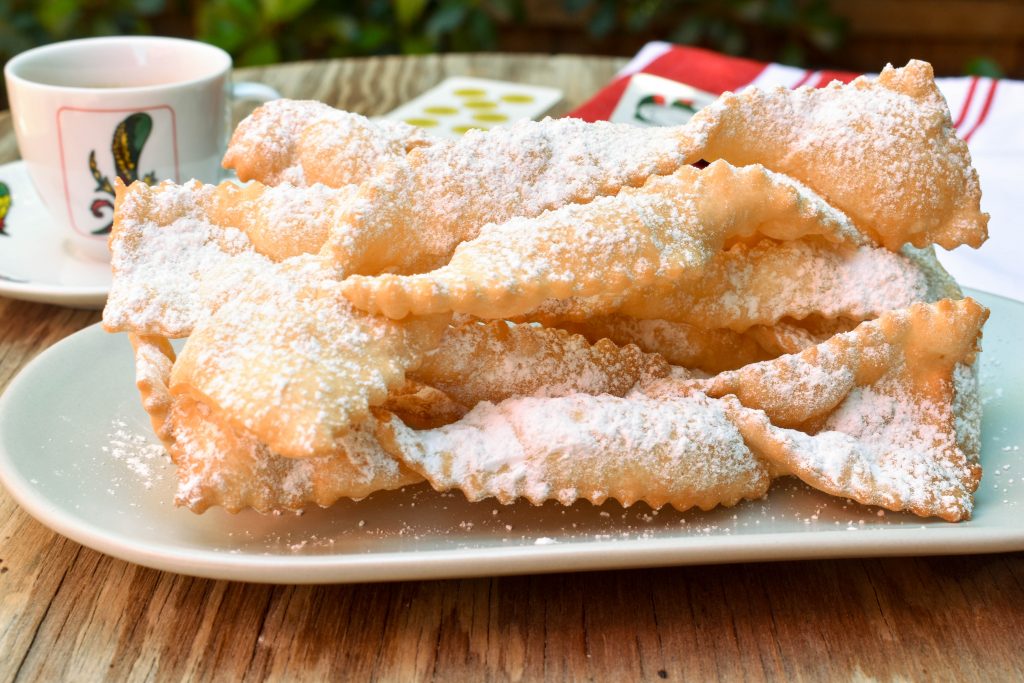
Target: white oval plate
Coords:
[(36, 262), (76, 451)]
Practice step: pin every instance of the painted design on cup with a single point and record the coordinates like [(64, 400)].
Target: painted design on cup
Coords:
[(126, 147), (143, 144), (5, 206)]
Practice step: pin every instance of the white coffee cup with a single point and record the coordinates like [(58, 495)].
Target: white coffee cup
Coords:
[(135, 107)]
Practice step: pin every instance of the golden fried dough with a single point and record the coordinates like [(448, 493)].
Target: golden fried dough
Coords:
[(159, 252), (681, 344), (746, 286), (885, 415), (880, 447), (219, 464), (375, 308), (681, 451), (668, 230), (223, 466), (410, 217), (300, 142), (882, 149), (771, 281), (166, 238), (491, 362), (922, 344), (290, 361), (793, 336), (154, 358), (422, 406)]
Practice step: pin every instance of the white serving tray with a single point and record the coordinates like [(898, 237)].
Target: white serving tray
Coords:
[(76, 451)]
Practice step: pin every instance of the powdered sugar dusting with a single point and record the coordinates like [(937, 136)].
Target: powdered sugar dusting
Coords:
[(284, 221), (279, 368), (683, 451), (667, 231), (796, 279), (512, 171), (877, 427), (303, 142), (687, 347), (772, 281), (161, 246), (881, 447), (530, 167), (883, 150), (477, 362), (137, 451), (966, 410), (287, 358), (221, 465)]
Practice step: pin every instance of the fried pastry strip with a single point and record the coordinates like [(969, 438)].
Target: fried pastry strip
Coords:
[(670, 229), (682, 451), (711, 351), (883, 150), (435, 197), (920, 344), (891, 438), (302, 143), (153, 360), (410, 218), (289, 360), (788, 336), (166, 238), (218, 464), (681, 344), (491, 362), (886, 414), (916, 186), (159, 251), (422, 406), (880, 447), (494, 361), (761, 285)]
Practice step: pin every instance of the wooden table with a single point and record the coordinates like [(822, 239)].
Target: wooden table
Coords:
[(69, 613)]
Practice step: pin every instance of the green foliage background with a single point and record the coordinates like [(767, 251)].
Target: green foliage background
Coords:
[(268, 31)]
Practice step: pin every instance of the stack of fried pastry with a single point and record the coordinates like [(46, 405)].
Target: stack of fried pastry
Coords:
[(561, 310)]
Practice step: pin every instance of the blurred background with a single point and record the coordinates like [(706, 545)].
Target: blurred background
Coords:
[(983, 37)]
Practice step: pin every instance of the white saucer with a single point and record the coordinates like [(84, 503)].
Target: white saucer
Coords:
[(36, 262)]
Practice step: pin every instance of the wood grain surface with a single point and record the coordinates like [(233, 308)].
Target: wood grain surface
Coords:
[(69, 613)]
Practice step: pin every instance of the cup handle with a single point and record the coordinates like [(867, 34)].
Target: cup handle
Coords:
[(254, 92)]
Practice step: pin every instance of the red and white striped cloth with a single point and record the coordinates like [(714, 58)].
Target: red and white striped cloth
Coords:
[(988, 114)]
